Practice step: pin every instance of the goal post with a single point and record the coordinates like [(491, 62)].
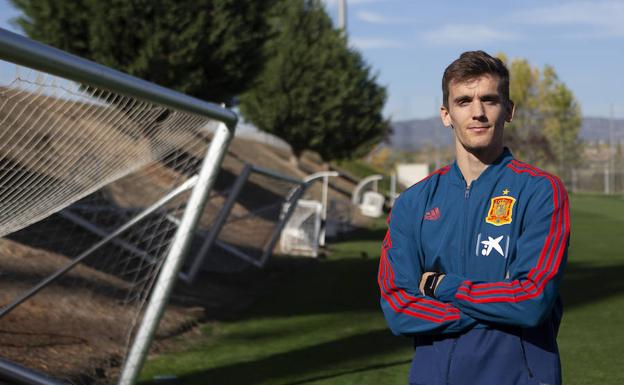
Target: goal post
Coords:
[(102, 131), (173, 261)]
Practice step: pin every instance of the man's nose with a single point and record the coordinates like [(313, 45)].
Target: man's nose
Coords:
[(478, 112)]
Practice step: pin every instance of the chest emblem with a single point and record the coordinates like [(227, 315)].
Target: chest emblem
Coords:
[(501, 210)]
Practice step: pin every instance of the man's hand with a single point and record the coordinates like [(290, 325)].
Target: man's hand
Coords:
[(435, 282)]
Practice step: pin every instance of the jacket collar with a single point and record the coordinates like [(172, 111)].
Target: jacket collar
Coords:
[(490, 171)]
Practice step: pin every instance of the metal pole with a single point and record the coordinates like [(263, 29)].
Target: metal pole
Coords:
[(17, 374), (607, 178), (308, 180), (342, 15), (216, 227), (268, 248), (611, 153), (436, 135), (237, 253), (23, 51), (324, 211), (276, 175), (177, 191), (80, 221), (393, 183), (173, 262), (355, 197)]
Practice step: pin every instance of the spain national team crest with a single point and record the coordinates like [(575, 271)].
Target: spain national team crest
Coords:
[(501, 210)]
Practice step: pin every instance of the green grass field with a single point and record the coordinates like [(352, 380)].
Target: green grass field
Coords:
[(321, 324)]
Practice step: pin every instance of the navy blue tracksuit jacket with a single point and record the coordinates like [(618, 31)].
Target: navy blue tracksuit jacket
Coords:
[(502, 243)]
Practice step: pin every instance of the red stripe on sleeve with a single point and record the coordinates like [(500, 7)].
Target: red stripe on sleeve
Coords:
[(402, 302)]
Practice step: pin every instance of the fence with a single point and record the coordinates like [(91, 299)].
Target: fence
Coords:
[(597, 178)]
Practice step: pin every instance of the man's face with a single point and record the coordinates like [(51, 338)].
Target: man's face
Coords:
[(477, 112)]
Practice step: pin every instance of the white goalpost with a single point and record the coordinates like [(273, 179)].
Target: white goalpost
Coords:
[(304, 232), (93, 165)]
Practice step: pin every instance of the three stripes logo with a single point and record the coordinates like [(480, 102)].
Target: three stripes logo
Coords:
[(433, 214)]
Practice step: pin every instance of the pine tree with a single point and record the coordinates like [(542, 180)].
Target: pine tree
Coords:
[(211, 49), (315, 92)]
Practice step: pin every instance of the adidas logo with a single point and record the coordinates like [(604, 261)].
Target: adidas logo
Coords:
[(433, 214)]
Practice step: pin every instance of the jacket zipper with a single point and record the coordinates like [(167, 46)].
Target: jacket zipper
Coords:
[(450, 361), (462, 259)]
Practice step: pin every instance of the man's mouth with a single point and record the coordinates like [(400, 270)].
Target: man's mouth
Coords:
[(479, 128)]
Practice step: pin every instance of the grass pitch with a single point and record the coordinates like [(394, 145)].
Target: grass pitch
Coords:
[(320, 323)]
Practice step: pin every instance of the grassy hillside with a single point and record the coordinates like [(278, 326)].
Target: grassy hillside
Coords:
[(320, 321)]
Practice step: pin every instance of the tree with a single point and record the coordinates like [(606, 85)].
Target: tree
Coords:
[(211, 49), (562, 123), (547, 119), (315, 92)]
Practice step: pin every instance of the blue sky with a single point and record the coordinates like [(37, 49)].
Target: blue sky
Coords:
[(408, 43)]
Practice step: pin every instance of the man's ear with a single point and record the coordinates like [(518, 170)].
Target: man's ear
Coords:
[(445, 116), (511, 109)]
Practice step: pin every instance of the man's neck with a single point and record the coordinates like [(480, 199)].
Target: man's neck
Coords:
[(472, 165)]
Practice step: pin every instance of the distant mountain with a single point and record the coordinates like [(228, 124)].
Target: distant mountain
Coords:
[(597, 129), (417, 133), (413, 134)]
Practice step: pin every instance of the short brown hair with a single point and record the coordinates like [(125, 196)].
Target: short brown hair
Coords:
[(470, 65)]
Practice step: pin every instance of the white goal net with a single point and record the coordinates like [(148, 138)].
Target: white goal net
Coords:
[(301, 234)]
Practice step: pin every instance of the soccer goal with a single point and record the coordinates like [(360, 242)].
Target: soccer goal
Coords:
[(370, 203), (94, 164), (302, 232), (304, 229), (249, 220)]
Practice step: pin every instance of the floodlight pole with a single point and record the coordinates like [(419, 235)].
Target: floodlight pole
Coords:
[(611, 152), (342, 15)]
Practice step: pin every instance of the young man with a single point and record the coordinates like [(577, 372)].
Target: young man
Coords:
[(474, 254)]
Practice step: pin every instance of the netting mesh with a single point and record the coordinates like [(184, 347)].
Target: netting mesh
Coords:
[(76, 164), (301, 234), (60, 141)]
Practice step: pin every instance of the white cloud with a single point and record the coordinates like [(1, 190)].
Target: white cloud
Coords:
[(373, 43), (371, 17), (605, 17), (467, 34), (377, 18)]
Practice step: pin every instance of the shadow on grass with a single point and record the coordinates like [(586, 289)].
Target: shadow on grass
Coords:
[(321, 287), (584, 283), (351, 285), (353, 371), (299, 286), (363, 234), (301, 366)]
